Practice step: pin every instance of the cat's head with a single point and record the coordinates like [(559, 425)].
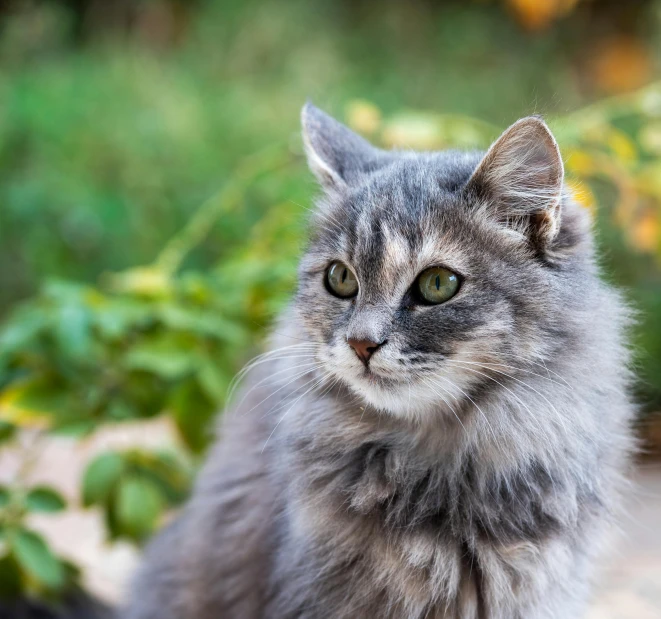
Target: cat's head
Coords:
[(427, 274)]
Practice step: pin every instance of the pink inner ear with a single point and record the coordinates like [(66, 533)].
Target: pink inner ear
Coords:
[(546, 224)]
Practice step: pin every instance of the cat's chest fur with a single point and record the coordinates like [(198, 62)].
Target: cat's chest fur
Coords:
[(404, 533)]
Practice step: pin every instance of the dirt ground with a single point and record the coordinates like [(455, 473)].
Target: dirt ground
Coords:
[(629, 587)]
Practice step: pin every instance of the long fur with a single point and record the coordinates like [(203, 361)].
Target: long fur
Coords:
[(475, 470)]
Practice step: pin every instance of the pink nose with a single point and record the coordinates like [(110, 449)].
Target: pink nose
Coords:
[(364, 348)]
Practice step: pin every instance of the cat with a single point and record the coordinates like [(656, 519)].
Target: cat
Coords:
[(442, 425)]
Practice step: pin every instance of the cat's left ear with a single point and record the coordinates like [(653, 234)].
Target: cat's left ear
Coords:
[(336, 155), (519, 181)]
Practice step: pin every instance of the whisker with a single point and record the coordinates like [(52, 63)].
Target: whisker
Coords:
[(291, 337), (541, 429), (281, 350), (276, 373), (541, 395), (319, 381), (284, 401), (312, 367), (329, 217), (275, 357), (475, 404), (252, 387), (431, 386), (540, 364), (267, 356), (513, 367), (330, 386)]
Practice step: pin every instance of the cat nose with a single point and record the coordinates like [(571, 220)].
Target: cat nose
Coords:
[(364, 348)]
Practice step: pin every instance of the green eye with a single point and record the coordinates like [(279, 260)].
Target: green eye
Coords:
[(437, 285), (341, 281)]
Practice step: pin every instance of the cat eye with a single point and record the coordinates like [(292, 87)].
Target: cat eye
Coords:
[(437, 285), (341, 281)]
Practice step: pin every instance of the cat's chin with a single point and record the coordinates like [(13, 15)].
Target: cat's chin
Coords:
[(383, 388), (399, 398)]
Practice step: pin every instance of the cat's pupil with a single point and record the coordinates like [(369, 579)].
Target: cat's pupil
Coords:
[(438, 282), (341, 281)]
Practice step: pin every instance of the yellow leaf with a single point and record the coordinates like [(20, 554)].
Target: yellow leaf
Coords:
[(580, 163), (537, 14), (13, 412), (621, 145), (413, 131), (148, 281), (621, 64), (581, 194), (648, 180), (363, 116), (644, 234), (594, 128), (94, 298), (650, 138)]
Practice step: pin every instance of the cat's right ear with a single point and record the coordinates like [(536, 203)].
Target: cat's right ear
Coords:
[(336, 155), (519, 181)]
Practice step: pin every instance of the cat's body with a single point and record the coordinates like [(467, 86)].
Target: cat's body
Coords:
[(469, 467)]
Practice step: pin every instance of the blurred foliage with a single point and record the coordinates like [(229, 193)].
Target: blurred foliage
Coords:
[(106, 150), (133, 489), (124, 300), (27, 564)]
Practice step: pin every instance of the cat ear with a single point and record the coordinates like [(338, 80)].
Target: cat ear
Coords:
[(519, 181), (336, 155)]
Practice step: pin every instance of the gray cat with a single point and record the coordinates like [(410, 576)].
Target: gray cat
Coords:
[(442, 425)]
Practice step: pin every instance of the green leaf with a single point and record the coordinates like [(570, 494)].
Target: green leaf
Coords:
[(73, 331), (101, 476), (44, 499), (214, 382), (36, 559), (138, 507), (76, 428), (119, 410), (5, 496), (144, 393), (193, 413), (118, 316), (112, 526), (162, 359), (168, 471), (72, 572), (43, 401), (197, 321), (10, 578), (7, 431), (23, 327)]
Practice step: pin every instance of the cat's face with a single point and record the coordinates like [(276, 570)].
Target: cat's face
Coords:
[(423, 280)]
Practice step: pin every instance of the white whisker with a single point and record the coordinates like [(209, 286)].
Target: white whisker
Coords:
[(282, 352), (319, 381), (541, 395), (313, 366), (431, 385), (475, 404)]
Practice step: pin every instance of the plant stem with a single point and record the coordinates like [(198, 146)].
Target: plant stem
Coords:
[(222, 202)]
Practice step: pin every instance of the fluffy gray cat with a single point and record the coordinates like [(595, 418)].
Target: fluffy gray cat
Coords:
[(442, 425)]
